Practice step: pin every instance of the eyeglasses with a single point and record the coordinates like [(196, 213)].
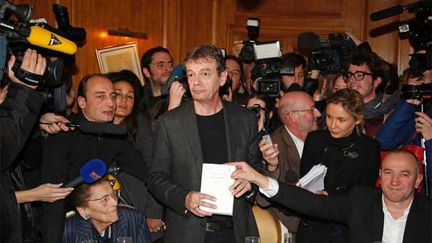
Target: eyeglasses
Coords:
[(163, 64), (358, 75), (311, 110), (105, 199)]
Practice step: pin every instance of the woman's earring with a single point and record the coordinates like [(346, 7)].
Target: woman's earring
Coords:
[(87, 217)]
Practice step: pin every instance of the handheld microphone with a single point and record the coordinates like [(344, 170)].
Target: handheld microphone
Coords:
[(90, 172), (177, 73), (41, 37)]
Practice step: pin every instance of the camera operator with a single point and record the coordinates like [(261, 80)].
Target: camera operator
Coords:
[(297, 61), (19, 111), (406, 124)]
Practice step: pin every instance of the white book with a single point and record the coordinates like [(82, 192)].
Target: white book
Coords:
[(216, 180), (314, 180)]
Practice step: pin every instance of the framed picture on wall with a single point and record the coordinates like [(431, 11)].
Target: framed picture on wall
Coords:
[(116, 58)]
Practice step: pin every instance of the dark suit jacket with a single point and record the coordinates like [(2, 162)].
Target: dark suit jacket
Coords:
[(289, 161), (131, 223), (361, 210), (177, 167)]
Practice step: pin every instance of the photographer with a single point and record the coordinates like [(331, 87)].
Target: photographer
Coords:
[(406, 125), (18, 113)]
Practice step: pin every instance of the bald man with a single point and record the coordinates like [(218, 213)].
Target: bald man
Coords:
[(299, 116), (396, 213)]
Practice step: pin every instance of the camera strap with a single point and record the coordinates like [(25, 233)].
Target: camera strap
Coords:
[(27, 77)]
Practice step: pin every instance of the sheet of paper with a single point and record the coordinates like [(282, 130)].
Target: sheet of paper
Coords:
[(314, 179), (216, 180)]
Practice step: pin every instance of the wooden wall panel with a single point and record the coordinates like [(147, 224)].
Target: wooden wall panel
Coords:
[(180, 25), (284, 20)]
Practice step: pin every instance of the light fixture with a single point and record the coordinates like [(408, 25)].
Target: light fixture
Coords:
[(128, 33)]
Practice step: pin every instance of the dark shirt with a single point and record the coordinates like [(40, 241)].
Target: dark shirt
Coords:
[(213, 138)]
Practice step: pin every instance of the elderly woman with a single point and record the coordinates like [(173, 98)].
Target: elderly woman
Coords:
[(100, 218)]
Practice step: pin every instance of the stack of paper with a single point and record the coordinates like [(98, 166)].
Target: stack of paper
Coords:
[(314, 180), (216, 180)]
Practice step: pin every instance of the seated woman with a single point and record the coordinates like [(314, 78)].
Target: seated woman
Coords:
[(100, 218)]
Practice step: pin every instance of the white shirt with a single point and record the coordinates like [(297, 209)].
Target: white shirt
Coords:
[(297, 141), (394, 229)]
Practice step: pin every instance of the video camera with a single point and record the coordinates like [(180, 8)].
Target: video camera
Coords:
[(419, 32), (17, 36), (419, 92), (327, 55), (267, 57)]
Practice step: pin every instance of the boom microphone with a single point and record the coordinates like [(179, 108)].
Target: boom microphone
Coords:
[(90, 172), (385, 13), (41, 37)]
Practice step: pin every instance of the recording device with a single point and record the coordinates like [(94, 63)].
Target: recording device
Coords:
[(329, 55), (419, 92), (90, 172), (96, 127), (267, 55), (177, 74), (267, 139), (15, 38), (76, 34), (247, 54), (418, 29)]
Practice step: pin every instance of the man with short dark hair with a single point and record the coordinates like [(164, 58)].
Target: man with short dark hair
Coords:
[(65, 153), (205, 130), (298, 63), (365, 75), (396, 213)]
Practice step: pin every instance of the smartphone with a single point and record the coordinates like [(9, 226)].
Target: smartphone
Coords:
[(267, 139)]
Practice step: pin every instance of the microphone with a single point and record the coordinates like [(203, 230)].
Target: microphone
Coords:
[(177, 73), (90, 172), (41, 37), (385, 13)]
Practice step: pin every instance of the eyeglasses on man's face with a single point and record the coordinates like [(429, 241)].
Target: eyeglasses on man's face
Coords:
[(358, 75)]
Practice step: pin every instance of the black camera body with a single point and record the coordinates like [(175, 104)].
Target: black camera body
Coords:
[(267, 55), (419, 92), (247, 53), (12, 41), (331, 55)]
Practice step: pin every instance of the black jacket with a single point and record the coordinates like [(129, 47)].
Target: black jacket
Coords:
[(352, 160), (18, 114), (360, 209), (65, 153)]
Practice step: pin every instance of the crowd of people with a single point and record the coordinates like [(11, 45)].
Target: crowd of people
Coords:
[(154, 146)]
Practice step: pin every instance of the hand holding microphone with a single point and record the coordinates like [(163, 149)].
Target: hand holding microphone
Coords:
[(90, 172)]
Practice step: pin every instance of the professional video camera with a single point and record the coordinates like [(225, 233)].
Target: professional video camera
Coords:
[(419, 92), (267, 57), (327, 55), (247, 54), (17, 36), (419, 30)]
